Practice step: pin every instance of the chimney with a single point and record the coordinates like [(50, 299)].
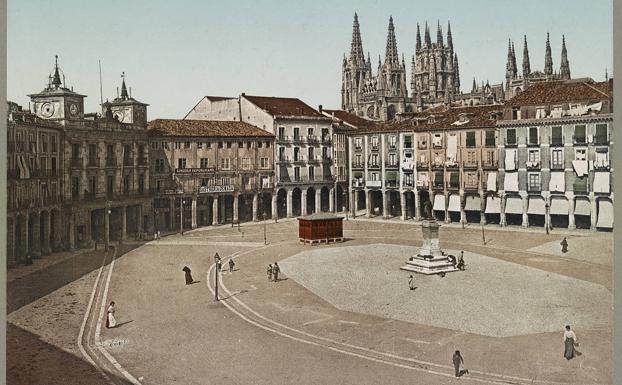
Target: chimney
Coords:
[(320, 108), (243, 94)]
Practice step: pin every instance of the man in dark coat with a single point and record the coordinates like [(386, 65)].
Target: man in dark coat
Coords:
[(457, 360), (564, 244), (231, 265), (275, 271), (188, 272)]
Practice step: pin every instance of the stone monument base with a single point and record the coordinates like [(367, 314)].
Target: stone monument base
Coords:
[(429, 259)]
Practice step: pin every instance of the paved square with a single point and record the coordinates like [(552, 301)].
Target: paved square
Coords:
[(492, 297)]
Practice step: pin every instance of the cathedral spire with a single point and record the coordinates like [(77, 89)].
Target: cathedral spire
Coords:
[(124, 94), (56, 80), (565, 65), (450, 42), (428, 41), (356, 49), (526, 66), (474, 86), (548, 59), (439, 34), (391, 55), (510, 67), (418, 46), (514, 66), (456, 74)]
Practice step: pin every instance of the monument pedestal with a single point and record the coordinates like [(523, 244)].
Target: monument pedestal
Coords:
[(429, 259)]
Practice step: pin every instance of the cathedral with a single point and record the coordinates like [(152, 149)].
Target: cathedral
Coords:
[(514, 83), (434, 73)]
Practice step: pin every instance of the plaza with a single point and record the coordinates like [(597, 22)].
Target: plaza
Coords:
[(340, 313)]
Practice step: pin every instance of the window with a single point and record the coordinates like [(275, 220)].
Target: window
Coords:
[(437, 141), (580, 154), (392, 141), (408, 179), (490, 138), (511, 136), (199, 145), (281, 133), (374, 142), (557, 158), (296, 173), (325, 135), (177, 145), (220, 144), (208, 145), (54, 144), (534, 181), (228, 144), (225, 163), (75, 187), (259, 144), (533, 135), (373, 176), (310, 131), (159, 166), (579, 134), (601, 158), (75, 151), (358, 162), (154, 145), (408, 141), (556, 136), (263, 162), (533, 158), (310, 152), (454, 180), (240, 144), (246, 163), (296, 133), (109, 153), (127, 152), (267, 144), (181, 163), (392, 159), (471, 157), (357, 143), (515, 113), (109, 185), (44, 143), (311, 173), (374, 160), (470, 139), (296, 154), (164, 145), (601, 134), (325, 153), (53, 165), (141, 183), (92, 153), (186, 144), (204, 162), (158, 185), (248, 144)]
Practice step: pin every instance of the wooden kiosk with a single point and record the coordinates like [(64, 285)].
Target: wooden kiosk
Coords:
[(320, 228)]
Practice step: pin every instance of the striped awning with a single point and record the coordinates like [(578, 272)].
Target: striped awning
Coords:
[(536, 206), (513, 205), (493, 205), (559, 206), (439, 202), (472, 203), (454, 203), (582, 207), (601, 182), (605, 214)]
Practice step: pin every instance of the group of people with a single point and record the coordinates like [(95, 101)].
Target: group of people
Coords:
[(273, 272), (458, 262)]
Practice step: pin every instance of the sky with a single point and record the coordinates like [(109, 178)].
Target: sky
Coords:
[(175, 52)]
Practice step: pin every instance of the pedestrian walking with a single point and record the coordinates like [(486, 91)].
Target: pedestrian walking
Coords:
[(275, 271), (188, 274), (269, 272), (458, 360), (564, 244), (411, 283), (460, 262), (110, 320), (570, 341), (231, 265)]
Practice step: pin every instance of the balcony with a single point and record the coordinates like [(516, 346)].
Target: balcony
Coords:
[(533, 143), (93, 162), (423, 165), (300, 160), (284, 159), (471, 186), (556, 141), (373, 183), (391, 164), (143, 161), (579, 140), (532, 165), (511, 142), (315, 159), (601, 165), (392, 147), (297, 139), (111, 162), (357, 148), (601, 140), (313, 139), (358, 183), (283, 139), (326, 159), (373, 165), (358, 165), (557, 165), (326, 139), (374, 147), (390, 184), (453, 185), (534, 189)]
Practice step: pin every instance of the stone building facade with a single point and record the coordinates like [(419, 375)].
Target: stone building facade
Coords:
[(210, 172), (555, 143)]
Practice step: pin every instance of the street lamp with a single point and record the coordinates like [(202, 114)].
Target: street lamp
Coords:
[(547, 216), (216, 270)]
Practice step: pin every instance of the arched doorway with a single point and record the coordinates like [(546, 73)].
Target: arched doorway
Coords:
[(54, 230), (297, 202), (361, 202), (20, 237), (375, 202), (204, 205), (394, 202), (281, 203), (536, 211), (310, 200), (409, 204), (44, 236), (341, 199), (265, 205), (324, 199), (424, 196)]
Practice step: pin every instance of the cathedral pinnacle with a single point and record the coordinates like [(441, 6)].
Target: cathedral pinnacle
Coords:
[(548, 59), (124, 94), (428, 41), (56, 80), (391, 55), (439, 34), (565, 65), (450, 43), (356, 49), (418, 46), (526, 66)]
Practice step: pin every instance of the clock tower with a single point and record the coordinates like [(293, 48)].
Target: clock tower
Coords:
[(126, 109), (56, 101)]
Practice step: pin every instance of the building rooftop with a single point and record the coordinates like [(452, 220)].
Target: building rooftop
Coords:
[(563, 91), (204, 128), (350, 119), (219, 98), (320, 217), (284, 107)]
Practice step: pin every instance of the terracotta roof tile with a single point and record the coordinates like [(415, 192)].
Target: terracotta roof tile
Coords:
[(284, 107), (562, 92), (204, 128)]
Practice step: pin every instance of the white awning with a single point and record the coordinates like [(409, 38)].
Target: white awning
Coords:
[(605, 214), (580, 167), (452, 147), (601, 182), (513, 205), (557, 182), (491, 181), (510, 159), (582, 207), (510, 181), (559, 206), (472, 203), (454, 203), (493, 205), (536, 206), (439, 202)]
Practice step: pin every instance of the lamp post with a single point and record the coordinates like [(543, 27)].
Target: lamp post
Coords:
[(547, 216), (216, 270)]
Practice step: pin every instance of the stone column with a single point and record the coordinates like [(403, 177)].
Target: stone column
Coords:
[(255, 209), (124, 223), (447, 220), (331, 200), (547, 213), (571, 221), (593, 212), (194, 212), (503, 221), (417, 205), (141, 224), (171, 224), (36, 236), (72, 232), (303, 203), (236, 208), (403, 205), (290, 203), (318, 201), (368, 203), (462, 212), (275, 211), (47, 227), (482, 208), (525, 215), (215, 210), (385, 204), (106, 226)]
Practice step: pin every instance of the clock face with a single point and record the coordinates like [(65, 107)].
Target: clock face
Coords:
[(73, 109), (47, 110), (118, 115)]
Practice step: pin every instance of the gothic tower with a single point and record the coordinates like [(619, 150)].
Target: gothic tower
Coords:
[(548, 59), (392, 73), (564, 69), (354, 71)]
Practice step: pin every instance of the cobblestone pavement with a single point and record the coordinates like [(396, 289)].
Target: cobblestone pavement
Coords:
[(177, 334)]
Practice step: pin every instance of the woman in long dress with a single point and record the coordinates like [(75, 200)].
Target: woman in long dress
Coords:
[(570, 340), (110, 320)]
